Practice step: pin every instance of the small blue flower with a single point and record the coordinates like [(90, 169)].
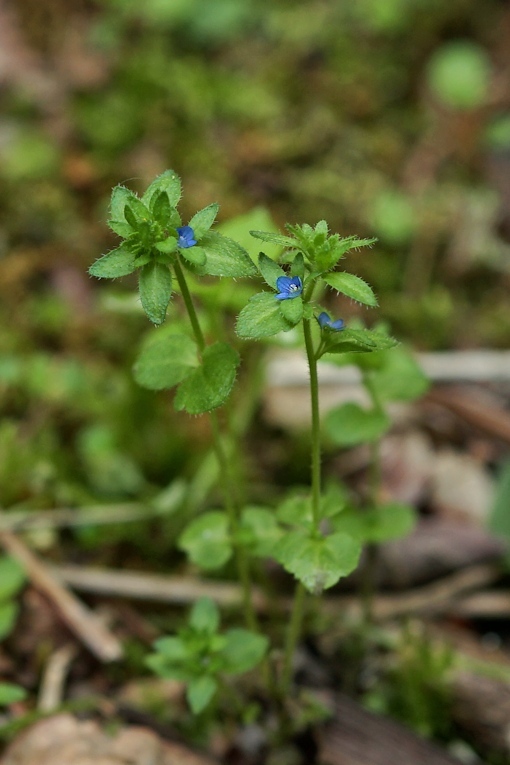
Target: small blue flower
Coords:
[(289, 287), (325, 321), (186, 237)]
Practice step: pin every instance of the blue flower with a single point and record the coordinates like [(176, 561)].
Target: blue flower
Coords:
[(289, 287), (186, 237), (325, 321)]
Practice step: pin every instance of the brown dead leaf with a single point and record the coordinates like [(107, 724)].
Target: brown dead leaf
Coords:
[(64, 740)]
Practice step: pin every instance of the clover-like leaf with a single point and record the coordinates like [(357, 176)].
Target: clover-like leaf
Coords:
[(155, 290), (318, 562), (209, 386), (352, 286), (118, 262), (206, 540), (261, 317), (165, 360)]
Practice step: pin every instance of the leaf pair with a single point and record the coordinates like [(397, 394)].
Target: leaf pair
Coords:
[(204, 380)]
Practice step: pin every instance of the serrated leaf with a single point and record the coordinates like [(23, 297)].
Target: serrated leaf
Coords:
[(358, 341), (155, 286), (261, 317), (119, 199), (199, 692), (121, 228), (135, 212), (165, 361), (204, 616), (206, 540), (267, 236), (318, 562), (160, 207), (352, 286), (292, 310), (270, 270), (12, 577), (118, 262), (350, 424), (243, 650), (202, 221), (209, 386), (225, 257), (168, 182)]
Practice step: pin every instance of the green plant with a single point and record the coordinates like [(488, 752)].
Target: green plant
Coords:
[(12, 579), (307, 533)]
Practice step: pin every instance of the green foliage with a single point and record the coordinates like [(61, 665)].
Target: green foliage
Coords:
[(209, 386), (353, 287), (12, 579), (207, 540), (11, 693), (165, 360), (378, 524), (262, 317), (459, 75), (199, 654), (350, 424)]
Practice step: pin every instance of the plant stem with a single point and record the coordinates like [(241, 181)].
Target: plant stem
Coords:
[(293, 635), (223, 463), (316, 440), (294, 630)]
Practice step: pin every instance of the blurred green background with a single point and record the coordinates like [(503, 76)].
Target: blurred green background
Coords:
[(388, 118)]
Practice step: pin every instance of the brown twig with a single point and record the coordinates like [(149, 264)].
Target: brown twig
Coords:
[(83, 622)]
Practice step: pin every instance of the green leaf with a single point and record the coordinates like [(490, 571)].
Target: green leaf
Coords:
[(259, 531), (209, 386), (155, 290), (206, 540), (378, 524), (270, 270), (400, 377), (120, 197), (195, 255), (160, 208), (295, 510), (8, 615), (165, 360), (165, 668), (352, 286), (318, 562), (261, 317), (135, 212), (121, 228), (172, 648), (168, 182), (350, 424), (267, 236), (199, 692), (12, 577), (202, 221), (238, 228), (118, 262), (167, 245), (358, 341), (297, 267), (225, 257), (205, 616), (10, 694), (292, 310), (243, 650)]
